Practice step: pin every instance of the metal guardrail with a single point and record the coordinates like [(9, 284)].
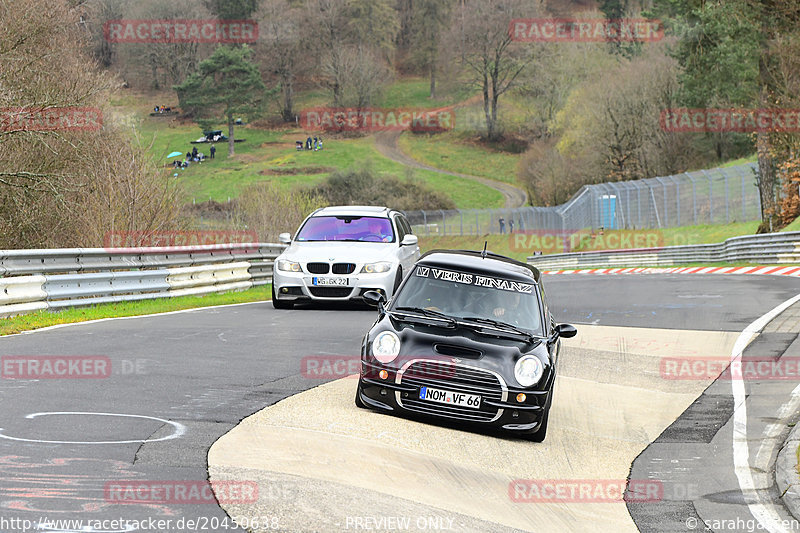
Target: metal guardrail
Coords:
[(31, 280), (769, 248), (711, 196)]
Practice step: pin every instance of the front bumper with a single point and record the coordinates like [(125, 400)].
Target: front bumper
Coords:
[(299, 286), (499, 407)]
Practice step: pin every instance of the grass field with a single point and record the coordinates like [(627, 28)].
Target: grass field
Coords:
[(453, 152), (415, 93), (794, 226), (41, 319), (270, 155)]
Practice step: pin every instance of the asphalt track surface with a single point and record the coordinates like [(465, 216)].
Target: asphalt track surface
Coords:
[(190, 377)]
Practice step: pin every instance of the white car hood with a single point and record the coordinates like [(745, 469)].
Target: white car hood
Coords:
[(340, 252)]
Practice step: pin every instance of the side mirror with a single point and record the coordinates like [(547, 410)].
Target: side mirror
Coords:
[(375, 298), (566, 330), (409, 240), (285, 238)]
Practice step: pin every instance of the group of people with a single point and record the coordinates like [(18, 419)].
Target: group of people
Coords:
[(161, 109), (195, 156), (502, 222), (311, 144)]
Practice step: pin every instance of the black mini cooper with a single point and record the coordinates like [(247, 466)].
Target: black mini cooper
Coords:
[(468, 337)]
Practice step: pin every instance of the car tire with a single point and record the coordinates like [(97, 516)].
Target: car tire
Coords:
[(360, 404), (539, 434), (278, 304)]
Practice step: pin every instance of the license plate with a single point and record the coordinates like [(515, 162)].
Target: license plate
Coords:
[(460, 399), (329, 281)]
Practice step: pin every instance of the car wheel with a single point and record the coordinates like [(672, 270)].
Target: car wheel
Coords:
[(278, 304), (398, 279), (539, 434), (359, 403)]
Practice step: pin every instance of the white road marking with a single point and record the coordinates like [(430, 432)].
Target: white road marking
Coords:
[(762, 511), (179, 430), (71, 324)]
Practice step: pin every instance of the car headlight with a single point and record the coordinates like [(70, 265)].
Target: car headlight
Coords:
[(376, 268), (528, 371), (386, 346), (289, 266)]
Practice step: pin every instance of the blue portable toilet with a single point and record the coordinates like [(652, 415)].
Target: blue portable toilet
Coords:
[(608, 211)]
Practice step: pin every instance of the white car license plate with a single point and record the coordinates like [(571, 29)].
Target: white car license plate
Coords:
[(329, 281), (460, 399)]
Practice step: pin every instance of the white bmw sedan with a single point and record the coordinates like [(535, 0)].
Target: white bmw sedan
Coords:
[(339, 253)]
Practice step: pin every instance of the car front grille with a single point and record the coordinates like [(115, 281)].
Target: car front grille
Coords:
[(330, 292), (318, 268), (343, 268), (456, 378)]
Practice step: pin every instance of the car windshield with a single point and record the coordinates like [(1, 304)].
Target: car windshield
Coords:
[(463, 295), (346, 228)]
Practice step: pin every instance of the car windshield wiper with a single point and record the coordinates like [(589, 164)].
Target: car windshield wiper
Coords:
[(428, 313), (500, 325)]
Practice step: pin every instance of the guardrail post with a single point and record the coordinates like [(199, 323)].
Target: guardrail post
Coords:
[(425, 222), (618, 206), (627, 203), (639, 204), (444, 222), (744, 204), (655, 207), (710, 197), (666, 212), (727, 197), (694, 199)]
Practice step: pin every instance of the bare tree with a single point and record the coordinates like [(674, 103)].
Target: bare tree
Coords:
[(66, 186), (363, 76), (168, 63), (483, 44), (267, 209), (429, 19), (283, 48), (367, 26), (93, 19)]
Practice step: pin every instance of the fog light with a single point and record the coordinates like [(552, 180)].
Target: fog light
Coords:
[(521, 397), (284, 290), (383, 374)]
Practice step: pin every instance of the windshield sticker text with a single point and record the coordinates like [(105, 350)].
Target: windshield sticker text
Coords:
[(470, 279)]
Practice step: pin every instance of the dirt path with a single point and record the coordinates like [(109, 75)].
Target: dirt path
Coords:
[(386, 143)]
